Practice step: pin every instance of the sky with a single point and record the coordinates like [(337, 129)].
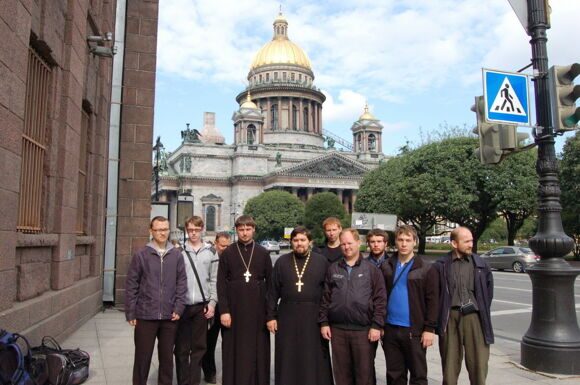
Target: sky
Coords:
[(418, 63)]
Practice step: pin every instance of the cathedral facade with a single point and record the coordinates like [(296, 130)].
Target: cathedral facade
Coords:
[(279, 143)]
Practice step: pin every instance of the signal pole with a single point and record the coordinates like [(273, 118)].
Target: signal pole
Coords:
[(552, 342)]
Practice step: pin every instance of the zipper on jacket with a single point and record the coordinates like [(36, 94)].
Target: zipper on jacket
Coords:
[(161, 286)]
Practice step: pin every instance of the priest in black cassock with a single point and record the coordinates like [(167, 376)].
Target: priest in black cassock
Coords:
[(244, 273), (302, 355)]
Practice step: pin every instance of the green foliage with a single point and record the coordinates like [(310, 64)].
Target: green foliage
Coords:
[(515, 184), (529, 228), (319, 207), (570, 186), (273, 211), (496, 231)]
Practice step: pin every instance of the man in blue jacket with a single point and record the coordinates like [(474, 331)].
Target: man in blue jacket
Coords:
[(155, 298), (464, 322)]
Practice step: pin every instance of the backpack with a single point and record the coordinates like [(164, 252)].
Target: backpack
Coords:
[(17, 368), (65, 366)]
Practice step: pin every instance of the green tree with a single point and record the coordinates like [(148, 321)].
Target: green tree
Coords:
[(570, 186), (400, 187), (471, 198), (319, 207), (515, 185), (273, 211)]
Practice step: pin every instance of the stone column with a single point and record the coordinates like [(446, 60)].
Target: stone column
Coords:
[(300, 116), (320, 118), (268, 114), (279, 112), (353, 198), (309, 191), (290, 114), (340, 193), (295, 191), (315, 117)]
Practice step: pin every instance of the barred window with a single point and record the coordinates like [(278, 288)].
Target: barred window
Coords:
[(34, 143), (82, 173)]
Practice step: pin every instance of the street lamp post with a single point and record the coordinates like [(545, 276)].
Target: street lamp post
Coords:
[(157, 148), (552, 342)]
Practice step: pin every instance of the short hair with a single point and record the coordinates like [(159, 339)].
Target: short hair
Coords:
[(245, 220), (354, 233), (158, 218), (301, 230), (407, 230), (455, 233), (378, 233), (331, 221), (194, 221), (222, 234)]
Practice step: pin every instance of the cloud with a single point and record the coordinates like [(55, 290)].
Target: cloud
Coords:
[(348, 106)]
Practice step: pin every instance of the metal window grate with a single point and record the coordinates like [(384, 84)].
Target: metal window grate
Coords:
[(34, 144), (82, 174)]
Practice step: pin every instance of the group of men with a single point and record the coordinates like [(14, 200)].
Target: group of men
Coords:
[(328, 307)]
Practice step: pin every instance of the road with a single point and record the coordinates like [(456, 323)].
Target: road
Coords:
[(511, 309)]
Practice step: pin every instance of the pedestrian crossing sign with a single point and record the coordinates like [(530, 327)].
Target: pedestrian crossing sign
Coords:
[(507, 97)]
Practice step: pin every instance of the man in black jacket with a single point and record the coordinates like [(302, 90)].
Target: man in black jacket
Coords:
[(464, 324), (413, 299), (352, 312)]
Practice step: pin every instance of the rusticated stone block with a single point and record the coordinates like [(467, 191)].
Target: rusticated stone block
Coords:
[(62, 274), (7, 288), (85, 262), (7, 250), (15, 319), (34, 254), (33, 279), (41, 308)]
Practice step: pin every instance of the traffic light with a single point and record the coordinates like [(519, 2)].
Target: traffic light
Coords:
[(564, 95), (489, 151), (496, 141)]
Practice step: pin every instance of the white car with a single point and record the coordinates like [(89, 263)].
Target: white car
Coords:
[(271, 246)]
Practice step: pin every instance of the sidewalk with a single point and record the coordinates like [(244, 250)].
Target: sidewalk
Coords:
[(109, 341)]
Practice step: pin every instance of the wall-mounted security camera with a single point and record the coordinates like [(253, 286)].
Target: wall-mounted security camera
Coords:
[(103, 51), (97, 39)]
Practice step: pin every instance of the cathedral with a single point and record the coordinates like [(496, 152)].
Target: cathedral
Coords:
[(279, 144)]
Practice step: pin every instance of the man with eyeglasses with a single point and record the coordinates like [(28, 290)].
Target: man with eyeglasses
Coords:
[(155, 297), (201, 266)]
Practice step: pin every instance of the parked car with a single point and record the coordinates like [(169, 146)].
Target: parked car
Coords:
[(284, 244), (271, 246), (515, 258)]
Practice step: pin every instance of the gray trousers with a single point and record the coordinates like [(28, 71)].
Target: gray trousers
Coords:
[(463, 334)]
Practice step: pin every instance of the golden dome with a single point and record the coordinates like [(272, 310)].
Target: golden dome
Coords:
[(248, 103), (367, 115), (281, 50)]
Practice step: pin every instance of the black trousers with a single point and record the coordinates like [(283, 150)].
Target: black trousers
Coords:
[(208, 360), (190, 345), (405, 354), (352, 357), (146, 332)]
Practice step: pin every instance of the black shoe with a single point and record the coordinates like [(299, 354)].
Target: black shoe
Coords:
[(210, 379)]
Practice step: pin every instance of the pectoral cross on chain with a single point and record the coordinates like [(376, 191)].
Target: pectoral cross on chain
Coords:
[(299, 284), (247, 274)]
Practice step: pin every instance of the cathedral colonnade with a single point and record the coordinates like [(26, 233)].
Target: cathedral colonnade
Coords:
[(346, 196)]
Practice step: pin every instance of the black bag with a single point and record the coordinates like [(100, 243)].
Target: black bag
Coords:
[(17, 368), (65, 366)]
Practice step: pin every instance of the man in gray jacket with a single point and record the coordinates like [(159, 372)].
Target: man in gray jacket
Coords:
[(201, 265), (156, 287)]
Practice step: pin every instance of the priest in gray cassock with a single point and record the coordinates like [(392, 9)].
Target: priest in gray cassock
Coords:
[(301, 354)]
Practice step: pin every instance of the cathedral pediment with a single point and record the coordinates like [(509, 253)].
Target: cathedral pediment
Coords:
[(333, 165)]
